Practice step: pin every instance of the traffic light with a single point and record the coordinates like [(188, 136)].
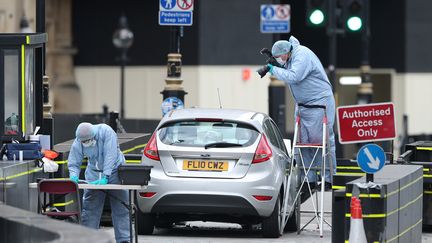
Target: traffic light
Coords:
[(354, 15), (316, 12)]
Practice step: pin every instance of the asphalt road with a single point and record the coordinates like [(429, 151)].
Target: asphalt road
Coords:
[(209, 232), (194, 232)]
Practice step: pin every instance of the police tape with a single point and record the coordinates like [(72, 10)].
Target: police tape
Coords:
[(61, 162)]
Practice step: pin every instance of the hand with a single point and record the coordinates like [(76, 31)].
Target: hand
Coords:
[(270, 68), (272, 61), (102, 181), (74, 178)]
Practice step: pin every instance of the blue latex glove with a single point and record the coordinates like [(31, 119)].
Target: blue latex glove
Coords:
[(271, 68), (102, 181), (74, 178)]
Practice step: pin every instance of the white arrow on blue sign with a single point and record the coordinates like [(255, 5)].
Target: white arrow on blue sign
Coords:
[(371, 158)]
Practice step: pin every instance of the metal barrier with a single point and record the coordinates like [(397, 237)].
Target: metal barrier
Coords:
[(25, 226), (420, 153), (392, 205), (14, 179)]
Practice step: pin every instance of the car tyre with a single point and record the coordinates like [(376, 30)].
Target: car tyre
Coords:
[(146, 223), (293, 224), (271, 225)]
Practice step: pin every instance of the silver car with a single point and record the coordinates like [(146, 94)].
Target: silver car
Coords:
[(216, 165)]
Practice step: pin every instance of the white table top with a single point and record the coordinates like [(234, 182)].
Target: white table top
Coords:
[(102, 187)]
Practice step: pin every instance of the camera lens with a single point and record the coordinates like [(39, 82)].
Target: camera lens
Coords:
[(263, 71)]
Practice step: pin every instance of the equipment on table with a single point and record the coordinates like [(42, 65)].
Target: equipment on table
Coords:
[(134, 174)]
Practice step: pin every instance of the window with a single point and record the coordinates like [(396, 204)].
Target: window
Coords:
[(11, 92), (270, 133), (198, 134), (279, 137)]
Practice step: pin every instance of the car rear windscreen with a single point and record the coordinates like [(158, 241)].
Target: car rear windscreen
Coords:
[(202, 133)]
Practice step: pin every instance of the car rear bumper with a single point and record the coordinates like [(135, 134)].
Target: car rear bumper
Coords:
[(204, 204)]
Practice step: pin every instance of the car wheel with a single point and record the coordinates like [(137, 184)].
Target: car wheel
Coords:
[(293, 224), (271, 225), (146, 223)]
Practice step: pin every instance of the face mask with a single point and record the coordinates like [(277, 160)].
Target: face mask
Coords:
[(280, 61), (89, 143)]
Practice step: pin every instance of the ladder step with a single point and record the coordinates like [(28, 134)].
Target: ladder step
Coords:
[(308, 146), (311, 168)]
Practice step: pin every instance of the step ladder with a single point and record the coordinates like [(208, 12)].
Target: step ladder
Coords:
[(301, 169)]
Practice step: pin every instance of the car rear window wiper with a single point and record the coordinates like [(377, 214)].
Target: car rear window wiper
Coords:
[(221, 145)]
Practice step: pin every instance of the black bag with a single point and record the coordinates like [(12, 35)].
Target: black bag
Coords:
[(30, 151), (134, 174)]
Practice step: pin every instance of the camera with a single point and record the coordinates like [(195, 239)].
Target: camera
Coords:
[(270, 60)]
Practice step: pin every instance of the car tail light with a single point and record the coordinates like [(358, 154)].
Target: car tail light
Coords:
[(147, 194), (151, 150), (263, 151), (262, 197)]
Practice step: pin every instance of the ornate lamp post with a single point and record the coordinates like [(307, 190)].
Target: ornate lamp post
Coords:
[(122, 40)]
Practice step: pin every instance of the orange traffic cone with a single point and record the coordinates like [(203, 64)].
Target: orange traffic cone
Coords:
[(357, 233)]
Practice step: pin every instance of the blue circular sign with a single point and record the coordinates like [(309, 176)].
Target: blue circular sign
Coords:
[(171, 103), (268, 12), (371, 158), (168, 4)]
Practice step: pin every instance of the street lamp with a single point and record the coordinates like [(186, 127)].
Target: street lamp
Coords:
[(122, 39)]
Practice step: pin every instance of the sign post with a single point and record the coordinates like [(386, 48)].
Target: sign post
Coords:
[(367, 123), (177, 13), (275, 18)]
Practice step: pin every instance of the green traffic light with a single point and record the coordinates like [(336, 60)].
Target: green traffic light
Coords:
[(316, 17), (354, 23)]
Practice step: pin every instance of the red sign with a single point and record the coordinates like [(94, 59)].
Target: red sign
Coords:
[(246, 74), (185, 4), (366, 123)]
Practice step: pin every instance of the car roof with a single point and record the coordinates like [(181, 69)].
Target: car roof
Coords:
[(251, 117)]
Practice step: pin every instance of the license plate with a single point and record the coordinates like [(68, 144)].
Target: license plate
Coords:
[(205, 165)]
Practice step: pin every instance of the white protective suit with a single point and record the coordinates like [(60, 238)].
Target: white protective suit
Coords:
[(309, 85)]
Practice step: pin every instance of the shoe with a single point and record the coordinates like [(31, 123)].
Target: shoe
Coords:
[(313, 186)]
